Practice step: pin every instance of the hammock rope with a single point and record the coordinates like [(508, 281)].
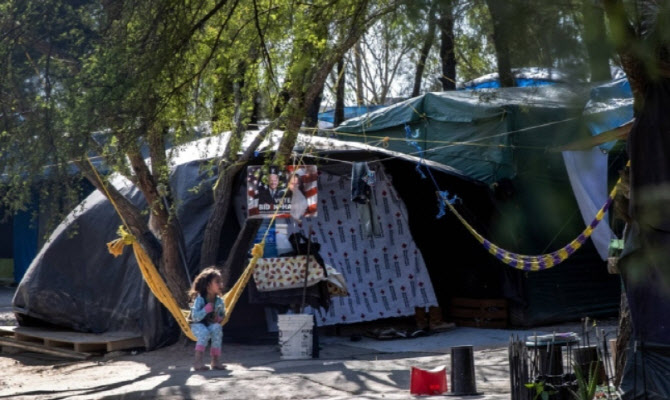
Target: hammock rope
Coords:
[(543, 261)]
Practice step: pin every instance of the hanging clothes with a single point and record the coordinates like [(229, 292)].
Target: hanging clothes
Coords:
[(362, 181)]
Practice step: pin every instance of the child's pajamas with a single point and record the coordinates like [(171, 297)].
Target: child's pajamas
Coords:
[(206, 324)]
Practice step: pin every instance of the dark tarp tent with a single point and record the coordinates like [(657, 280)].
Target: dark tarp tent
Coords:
[(504, 138), (75, 283)]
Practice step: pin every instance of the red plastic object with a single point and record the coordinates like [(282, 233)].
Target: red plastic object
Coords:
[(428, 382)]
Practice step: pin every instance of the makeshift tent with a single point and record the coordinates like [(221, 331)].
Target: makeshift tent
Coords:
[(504, 138), (74, 282)]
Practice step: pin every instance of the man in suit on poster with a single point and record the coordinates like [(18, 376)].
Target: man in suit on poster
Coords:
[(270, 194)]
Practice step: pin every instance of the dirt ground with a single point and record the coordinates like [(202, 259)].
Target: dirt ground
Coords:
[(345, 370)]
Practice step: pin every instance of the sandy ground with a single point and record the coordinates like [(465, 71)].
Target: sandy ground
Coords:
[(367, 369)]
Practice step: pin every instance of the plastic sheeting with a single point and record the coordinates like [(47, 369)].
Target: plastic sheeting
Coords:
[(349, 112), (647, 372), (588, 177), (610, 106), (467, 130)]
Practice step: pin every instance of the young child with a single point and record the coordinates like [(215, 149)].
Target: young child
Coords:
[(207, 311)]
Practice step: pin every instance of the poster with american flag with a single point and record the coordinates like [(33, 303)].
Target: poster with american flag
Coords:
[(289, 192)]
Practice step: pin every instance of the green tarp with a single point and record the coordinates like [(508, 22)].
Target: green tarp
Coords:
[(476, 132)]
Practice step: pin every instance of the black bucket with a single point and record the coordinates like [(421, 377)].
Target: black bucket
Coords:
[(463, 372)]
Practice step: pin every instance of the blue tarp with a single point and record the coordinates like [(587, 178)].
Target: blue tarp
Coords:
[(349, 112), (523, 77), (609, 106), (519, 82)]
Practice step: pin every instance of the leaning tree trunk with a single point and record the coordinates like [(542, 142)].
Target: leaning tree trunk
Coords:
[(164, 226), (312, 113), (499, 17), (209, 252), (595, 39), (338, 118), (447, 51), (425, 49), (358, 62)]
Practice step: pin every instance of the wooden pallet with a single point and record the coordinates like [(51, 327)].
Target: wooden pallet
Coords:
[(67, 343), (479, 313)]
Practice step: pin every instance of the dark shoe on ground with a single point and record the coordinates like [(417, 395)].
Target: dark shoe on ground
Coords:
[(417, 333), (442, 327)]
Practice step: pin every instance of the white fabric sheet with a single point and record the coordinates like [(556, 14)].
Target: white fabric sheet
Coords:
[(587, 171)]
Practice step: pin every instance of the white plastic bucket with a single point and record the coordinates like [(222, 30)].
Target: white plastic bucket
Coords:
[(295, 336)]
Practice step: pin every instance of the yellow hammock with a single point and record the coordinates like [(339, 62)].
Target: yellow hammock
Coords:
[(159, 288)]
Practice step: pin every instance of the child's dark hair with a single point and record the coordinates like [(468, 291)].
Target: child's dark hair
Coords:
[(201, 282)]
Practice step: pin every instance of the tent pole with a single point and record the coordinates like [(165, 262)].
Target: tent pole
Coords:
[(304, 286)]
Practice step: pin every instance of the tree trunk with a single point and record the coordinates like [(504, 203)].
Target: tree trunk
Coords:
[(447, 53), (359, 75), (641, 59), (499, 11), (622, 340), (425, 49), (312, 112), (625, 39), (209, 251), (164, 253), (164, 229), (222, 192), (595, 39), (238, 253), (339, 94)]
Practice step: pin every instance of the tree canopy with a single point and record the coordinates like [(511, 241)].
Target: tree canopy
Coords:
[(122, 81)]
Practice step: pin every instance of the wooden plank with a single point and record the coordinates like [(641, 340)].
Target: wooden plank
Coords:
[(27, 338), (77, 341), (481, 323), (4, 332), (39, 348), (478, 303), (477, 313), (57, 343), (90, 347), (130, 343)]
